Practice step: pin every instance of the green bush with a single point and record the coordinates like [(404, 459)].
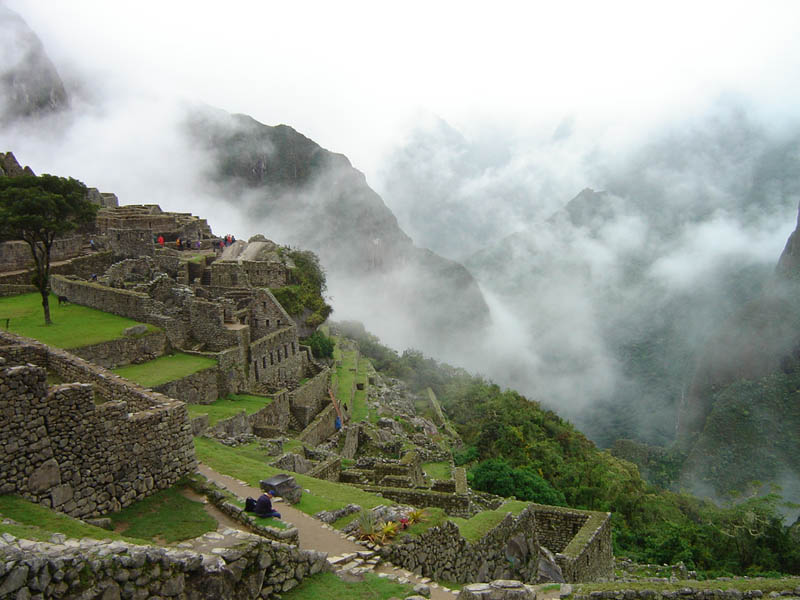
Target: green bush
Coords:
[(321, 345), (498, 477)]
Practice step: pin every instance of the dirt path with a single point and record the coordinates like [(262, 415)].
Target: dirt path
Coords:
[(313, 533)]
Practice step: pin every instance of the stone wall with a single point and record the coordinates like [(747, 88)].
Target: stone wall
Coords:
[(16, 254), (321, 428), (272, 420), (329, 469), (126, 350), (309, 399), (509, 551), (589, 556), (62, 450), (12, 289), (248, 273), (130, 243), (197, 388), (276, 360), (456, 505), (103, 569)]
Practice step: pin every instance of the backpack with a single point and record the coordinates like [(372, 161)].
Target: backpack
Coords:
[(249, 505)]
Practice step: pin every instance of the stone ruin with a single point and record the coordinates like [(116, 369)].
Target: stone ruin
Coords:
[(220, 306), (62, 449)]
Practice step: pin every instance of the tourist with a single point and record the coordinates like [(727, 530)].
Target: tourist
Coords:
[(264, 506), (161, 240)]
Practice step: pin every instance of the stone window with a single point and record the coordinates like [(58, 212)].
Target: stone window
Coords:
[(286, 351), (271, 359), (279, 322), (267, 323), (264, 361), (255, 368)]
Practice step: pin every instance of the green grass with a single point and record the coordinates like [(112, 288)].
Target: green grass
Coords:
[(327, 586), (73, 325), (165, 517), (345, 376), (437, 470), (165, 369), (472, 529), (325, 495), (514, 506), (360, 411), (37, 522), (229, 406)]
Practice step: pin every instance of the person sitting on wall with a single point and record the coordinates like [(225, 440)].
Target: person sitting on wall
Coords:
[(263, 506)]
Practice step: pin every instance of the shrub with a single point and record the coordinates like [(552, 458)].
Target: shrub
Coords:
[(320, 344)]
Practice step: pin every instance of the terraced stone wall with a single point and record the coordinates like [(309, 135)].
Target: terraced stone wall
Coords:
[(91, 569), (509, 551), (63, 450), (16, 254), (126, 350), (309, 399)]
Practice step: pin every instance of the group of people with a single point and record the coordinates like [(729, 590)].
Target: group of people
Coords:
[(180, 243)]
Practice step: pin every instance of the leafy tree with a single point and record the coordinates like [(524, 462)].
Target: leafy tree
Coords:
[(38, 209)]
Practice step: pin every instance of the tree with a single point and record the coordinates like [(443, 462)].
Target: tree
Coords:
[(38, 209)]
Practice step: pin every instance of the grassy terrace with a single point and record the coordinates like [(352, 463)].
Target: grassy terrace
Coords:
[(348, 373), (472, 529), (327, 586), (73, 325), (165, 369), (38, 522), (165, 517), (437, 470), (248, 464), (229, 406)]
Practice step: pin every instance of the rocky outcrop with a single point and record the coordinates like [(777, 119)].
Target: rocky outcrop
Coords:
[(29, 83)]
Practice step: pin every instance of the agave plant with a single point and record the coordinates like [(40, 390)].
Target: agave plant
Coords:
[(387, 531), (367, 525), (418, 515)]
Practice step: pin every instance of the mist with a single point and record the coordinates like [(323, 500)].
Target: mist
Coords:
[(477, 131)]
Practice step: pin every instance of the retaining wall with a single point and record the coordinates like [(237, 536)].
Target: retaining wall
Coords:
[(101, 569), (126, 350), (509, 551), (197, 388), (329, 469), (321, 428), (62, 450), (308, 400)]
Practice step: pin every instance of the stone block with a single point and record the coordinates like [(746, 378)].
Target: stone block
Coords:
[(61, 494), (47, 475)]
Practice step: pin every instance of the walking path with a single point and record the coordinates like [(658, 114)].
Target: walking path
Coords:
[(343, 554)]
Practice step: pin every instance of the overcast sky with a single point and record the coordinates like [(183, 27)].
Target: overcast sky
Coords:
[(354, 75)]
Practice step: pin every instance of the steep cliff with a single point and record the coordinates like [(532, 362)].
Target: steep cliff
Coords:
[(29, 83), (309, 196)]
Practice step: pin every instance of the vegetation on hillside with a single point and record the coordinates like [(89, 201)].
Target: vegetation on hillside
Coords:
[(650, 524), (304, 293), (321, 345)]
